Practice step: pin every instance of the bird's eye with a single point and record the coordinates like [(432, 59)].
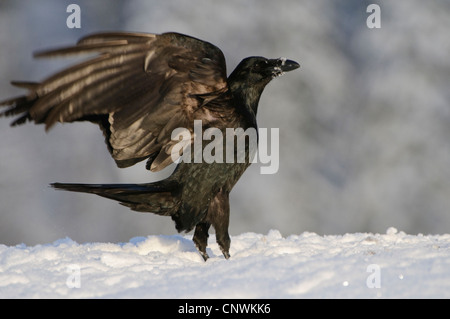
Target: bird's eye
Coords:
[(260, 65)]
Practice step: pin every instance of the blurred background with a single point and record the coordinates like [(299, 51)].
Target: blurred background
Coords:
[(364, 124)]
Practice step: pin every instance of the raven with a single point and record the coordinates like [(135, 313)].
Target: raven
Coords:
[(139, 87)]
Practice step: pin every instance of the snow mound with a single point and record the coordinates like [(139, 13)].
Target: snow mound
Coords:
[(361, 265)]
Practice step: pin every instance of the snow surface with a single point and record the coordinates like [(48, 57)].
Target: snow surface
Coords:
[(360, 265)]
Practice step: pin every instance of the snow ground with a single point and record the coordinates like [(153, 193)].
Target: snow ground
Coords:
[(360, 265)]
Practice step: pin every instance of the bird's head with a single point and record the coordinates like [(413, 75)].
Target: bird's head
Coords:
[(250, 77), (260, 71)]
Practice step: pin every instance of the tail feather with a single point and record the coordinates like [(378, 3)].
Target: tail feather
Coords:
[(159, 197)]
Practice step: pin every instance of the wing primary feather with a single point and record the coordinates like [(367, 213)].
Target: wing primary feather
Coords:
[(82, 49), (26, 85), (130, 37)]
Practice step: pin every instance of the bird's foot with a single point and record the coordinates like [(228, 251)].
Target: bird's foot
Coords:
[(226, 254), (204, 255)]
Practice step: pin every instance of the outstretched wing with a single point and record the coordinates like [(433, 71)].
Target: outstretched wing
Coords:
[(138, 88)]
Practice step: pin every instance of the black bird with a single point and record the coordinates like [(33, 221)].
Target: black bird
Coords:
[(138, 88)]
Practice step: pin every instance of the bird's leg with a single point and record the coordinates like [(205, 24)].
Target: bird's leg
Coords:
[(219, 217), (201, 238)]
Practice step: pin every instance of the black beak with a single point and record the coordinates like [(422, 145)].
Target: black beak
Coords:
[(288, 65), (280, 66)]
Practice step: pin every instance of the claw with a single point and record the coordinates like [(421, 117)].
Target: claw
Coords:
[(226, 254), (204, 255)]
